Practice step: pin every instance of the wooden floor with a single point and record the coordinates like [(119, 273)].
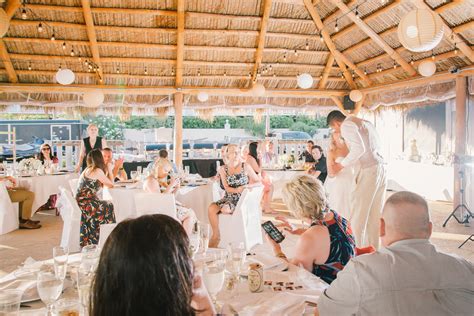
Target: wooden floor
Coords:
[(16, 246)]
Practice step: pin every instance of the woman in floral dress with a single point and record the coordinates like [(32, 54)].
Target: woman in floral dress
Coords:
[(94, 211), (235, 176)]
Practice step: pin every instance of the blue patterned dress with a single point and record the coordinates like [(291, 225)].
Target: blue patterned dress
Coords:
[(94, 211), (342, 248), (234, 181)]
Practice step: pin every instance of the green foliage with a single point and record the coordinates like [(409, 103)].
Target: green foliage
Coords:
[(110, 127)]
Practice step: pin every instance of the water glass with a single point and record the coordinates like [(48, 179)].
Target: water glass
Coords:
[(186, 170), (204, 232), (60, 256), (139, 169), (84, 284), (49, 288), (134, 175), (90, 257), (236, 256), (214, 274), (195, 239), (10, 302)]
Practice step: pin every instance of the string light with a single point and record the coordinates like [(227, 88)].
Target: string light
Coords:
[(40, 27), (172, 72), (412, 62), (29, 66), (365, 71), (72, 52), (64, 45), (52, 37), (394, 65), (321, 38), (296, 53), (342, 75), (432, 55), (336, 27), (199, 72), (321, 77), (307, 45), (117, 70), (455, 49), (23, 14), (270, 67), (249, 75), (225, 73), (79, 57), (357, 12), (274, 75), (284, 57), (353, 74)]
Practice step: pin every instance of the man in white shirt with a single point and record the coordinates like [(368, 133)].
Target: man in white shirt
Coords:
[(370, 182), (407, 276), (114, 167)]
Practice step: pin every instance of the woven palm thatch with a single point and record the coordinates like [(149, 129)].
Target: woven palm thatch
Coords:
[(141, 50)]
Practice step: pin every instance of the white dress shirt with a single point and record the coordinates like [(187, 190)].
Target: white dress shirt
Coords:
[(352, 137), (410, 277)]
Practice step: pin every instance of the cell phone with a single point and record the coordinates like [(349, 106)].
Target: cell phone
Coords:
[(273, 232)]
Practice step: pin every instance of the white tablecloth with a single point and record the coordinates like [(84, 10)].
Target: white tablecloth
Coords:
[(197, 198), (44, 186), (279, 178)]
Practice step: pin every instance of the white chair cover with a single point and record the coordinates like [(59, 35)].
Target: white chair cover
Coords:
[(71, 215), (105, 230), (73, 184), (244, 224), (217, 192), (8, 212), (155, 203)]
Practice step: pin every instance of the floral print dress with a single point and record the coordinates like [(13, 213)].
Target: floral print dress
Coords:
[(234, 181), (94, 211)]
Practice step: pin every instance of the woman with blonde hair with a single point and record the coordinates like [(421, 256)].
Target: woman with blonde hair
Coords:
[(235, 177), (94, 141), (324, 248)]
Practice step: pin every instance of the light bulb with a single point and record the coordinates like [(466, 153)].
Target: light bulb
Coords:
[(40, 27), (72, 53), (52, 37), (23, 14), (64, 45), (336, 27)]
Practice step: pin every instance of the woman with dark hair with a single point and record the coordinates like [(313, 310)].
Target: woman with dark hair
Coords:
[(145, 269), (254, 161), (319, 169), (94, 211), (46, 157)]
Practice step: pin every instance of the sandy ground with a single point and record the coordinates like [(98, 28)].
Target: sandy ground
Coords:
[(16, 246)]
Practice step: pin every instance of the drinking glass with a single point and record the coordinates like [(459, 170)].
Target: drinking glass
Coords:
[(84, 284), (133, 175), (60, 255), (10, 302), (139, 169), (204, 232), (236, 252), (214, 274), (90, 257), (194, 239), (186, 170), (49, 288)]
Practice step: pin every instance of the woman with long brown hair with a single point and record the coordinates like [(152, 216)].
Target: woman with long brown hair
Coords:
[(48, 159), (94, 211)]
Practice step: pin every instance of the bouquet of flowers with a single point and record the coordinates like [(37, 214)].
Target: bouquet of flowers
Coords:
[(29, 165)]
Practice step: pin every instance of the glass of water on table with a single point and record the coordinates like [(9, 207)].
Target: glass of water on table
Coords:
[(49, 287), (60, 256)]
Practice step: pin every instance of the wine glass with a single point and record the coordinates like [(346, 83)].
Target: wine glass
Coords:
[(10, 302), (84, 284), (204, 232), (49, 288), (134, 175), (236, 252), (90, 257), (214, 274), (60, 256), (194, 239)]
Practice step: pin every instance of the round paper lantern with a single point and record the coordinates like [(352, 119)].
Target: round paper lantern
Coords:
[(4, 23), (427, 68), (65, 76), (355, 95), (203, 96), (420, 30), (258, 90), (93, 98), (305, 81)]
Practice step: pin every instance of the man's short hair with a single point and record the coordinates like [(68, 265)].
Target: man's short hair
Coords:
[(311, 142), (163, 153), (407, 197), (107, 149), (335, 116)]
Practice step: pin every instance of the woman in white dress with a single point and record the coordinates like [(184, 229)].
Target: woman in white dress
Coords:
[(339, 185)]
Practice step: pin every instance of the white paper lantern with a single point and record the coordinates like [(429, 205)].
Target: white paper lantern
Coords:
[(65, 76), (258, 90), (305, 81), (355, 95), (4, 23), (427, 68), (93, 98), (203, 96), (420, 30)]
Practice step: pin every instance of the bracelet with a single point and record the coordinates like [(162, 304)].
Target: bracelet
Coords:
[(281, 255)]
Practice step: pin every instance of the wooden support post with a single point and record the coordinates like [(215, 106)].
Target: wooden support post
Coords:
[(178, 129), (460, 128)]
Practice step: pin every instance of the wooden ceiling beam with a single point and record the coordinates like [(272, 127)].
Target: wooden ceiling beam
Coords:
[(267, 5), (151, 76), (329, 43), (448, 33), (86, 6), (160, 90), (59, 8), (10, 10), (372, 16), (376, 38), (326, 72), (180, 44)]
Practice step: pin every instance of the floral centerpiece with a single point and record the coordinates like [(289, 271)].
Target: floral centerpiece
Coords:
[(30, 165)]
